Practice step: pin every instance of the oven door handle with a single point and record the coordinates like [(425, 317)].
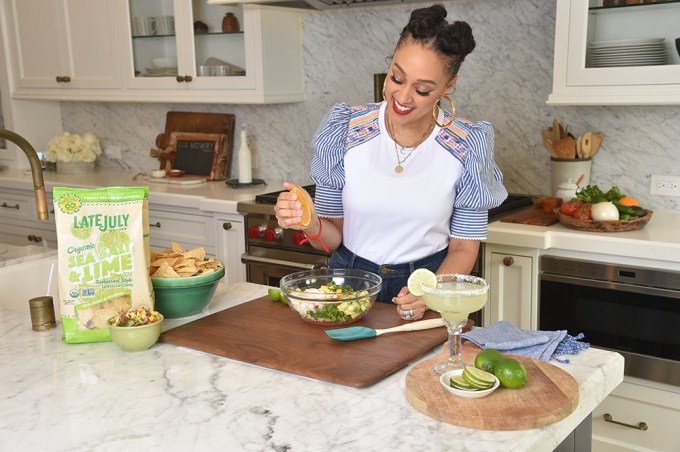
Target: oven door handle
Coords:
[(248, 259)]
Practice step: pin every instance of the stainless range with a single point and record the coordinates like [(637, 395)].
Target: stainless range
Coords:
[(273, 252)]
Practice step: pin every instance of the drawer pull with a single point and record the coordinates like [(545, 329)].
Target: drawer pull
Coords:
[(226, 226), (508, 261), (15, 206), (155, 225), (34, 238), (641, 426)]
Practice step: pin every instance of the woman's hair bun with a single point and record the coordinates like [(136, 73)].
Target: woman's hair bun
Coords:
[(452, 40)]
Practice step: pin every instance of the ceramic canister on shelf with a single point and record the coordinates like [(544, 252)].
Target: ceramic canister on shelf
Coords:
[(230, 23), (562, 170)]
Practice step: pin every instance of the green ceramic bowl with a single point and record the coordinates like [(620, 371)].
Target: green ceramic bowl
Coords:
[(182, 297), (136, 338)]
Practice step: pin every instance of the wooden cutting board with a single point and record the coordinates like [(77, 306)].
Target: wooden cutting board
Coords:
[(550, 395), (533, 215), (270, 334)]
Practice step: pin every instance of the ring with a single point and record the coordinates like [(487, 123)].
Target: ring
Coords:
[(408, 314)]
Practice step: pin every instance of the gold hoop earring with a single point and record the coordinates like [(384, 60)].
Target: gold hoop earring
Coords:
[(384, 84), (435, 111)]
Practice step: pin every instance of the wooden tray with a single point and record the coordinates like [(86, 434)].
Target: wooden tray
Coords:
[(533, 215), (550, 395), (270, 334), (605, 226)]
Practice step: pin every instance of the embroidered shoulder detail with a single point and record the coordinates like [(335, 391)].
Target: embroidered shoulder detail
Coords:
[(453, 138), (363, 124)]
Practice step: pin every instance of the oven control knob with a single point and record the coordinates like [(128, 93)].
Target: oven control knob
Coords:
[(299, 238), (271, 234), (255, 232)]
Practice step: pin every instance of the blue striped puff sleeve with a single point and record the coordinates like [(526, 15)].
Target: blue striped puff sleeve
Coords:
[(328, 165), (480, 188)]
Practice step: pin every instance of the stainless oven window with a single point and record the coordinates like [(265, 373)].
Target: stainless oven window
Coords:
[(267, 266), (616, 308)]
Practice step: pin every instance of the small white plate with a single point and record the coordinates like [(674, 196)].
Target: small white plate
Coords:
[(446, 377)]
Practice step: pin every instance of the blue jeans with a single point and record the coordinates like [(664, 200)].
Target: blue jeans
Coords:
[(394, 277)]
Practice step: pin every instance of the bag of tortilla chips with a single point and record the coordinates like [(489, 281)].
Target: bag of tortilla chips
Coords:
[(103, 249)]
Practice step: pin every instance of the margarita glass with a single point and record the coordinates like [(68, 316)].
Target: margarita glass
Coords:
[(455, 297)]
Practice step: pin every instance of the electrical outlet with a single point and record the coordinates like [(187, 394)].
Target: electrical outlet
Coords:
[(113, 152), (665, 185)]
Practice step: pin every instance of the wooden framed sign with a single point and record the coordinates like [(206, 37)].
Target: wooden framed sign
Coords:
[(202, 154)]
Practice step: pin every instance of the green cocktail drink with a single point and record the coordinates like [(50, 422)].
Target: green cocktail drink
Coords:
[(455, 297)]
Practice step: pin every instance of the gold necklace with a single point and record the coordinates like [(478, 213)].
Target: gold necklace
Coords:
[(400, 169)]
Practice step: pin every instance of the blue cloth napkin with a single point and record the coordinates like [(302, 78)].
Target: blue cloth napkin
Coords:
[(542, 345)]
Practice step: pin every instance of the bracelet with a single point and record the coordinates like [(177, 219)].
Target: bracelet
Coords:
[(315, 237)]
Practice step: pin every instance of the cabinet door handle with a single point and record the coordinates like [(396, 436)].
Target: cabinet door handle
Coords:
[(66, 79), (60, 79), (155, 225), (188, 78), (15, 206), (508, 261), (34, 238), (641, 426), (63, 79), (226, 226), (179, 78)]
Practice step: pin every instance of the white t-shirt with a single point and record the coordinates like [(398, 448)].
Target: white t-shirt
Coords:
[(447, 185)]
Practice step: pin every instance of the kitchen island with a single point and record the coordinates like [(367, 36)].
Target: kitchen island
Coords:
[(66, 397)]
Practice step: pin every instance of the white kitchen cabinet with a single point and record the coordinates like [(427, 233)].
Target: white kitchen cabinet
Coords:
[(97, 46), (190, 228), (231, 242), (19, 224), (263, 58), (633, 403), (579, 23), (62, 45), (512, 274)]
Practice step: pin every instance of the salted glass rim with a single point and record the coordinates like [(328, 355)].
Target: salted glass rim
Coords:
[(481, 282)]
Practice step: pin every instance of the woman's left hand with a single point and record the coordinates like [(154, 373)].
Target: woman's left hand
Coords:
[(409, 307)]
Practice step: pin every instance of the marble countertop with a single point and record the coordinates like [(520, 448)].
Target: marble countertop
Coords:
[(13, 254), (655, 244), (214, 196), (98, 397)]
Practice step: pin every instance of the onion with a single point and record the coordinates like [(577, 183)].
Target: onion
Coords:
[(604, 211)]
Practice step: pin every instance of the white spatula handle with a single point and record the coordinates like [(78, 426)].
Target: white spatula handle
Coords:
[(414, 326)]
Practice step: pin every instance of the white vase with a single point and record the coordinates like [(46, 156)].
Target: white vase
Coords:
[(75, 167)]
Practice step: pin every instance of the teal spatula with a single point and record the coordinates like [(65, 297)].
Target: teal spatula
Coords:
[(361, 332)]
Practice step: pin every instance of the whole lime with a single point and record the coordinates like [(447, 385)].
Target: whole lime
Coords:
[(486, 359), (511, 373), (274, 294)]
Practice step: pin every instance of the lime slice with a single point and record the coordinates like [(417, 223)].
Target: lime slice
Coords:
[(81, 233), (478, 378), (421, 276), (457, 382), (113, 243), (274, 294)]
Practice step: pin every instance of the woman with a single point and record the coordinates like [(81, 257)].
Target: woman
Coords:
[(403, 184)]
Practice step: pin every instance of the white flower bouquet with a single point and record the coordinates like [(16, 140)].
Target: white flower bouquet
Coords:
[(69, 147)]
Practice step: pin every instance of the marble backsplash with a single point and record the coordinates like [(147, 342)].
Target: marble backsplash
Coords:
[(506, 81)]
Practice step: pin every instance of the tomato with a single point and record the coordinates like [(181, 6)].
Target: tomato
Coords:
[(583, 212), (568, 208)]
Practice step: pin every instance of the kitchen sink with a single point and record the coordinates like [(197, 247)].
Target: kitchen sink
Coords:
[(29, 279)]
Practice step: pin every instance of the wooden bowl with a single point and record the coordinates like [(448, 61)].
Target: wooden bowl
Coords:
[(176, 173), (604, 226)]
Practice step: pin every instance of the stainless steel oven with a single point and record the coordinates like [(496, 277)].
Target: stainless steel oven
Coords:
[(631, 310)]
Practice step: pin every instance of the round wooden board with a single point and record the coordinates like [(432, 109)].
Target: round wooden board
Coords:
[(550, 395)]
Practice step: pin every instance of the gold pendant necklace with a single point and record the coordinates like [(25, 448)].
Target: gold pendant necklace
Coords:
[(400, 169)]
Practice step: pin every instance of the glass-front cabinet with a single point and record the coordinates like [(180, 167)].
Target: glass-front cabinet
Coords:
[(187, 42), (617, 52), (154, 51)]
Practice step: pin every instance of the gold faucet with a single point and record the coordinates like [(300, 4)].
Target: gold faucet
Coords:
[(36, 170)]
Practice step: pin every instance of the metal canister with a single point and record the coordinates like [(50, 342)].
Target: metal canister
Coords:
[(42, 313)]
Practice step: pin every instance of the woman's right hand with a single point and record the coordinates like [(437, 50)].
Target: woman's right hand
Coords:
[(288, 209)]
